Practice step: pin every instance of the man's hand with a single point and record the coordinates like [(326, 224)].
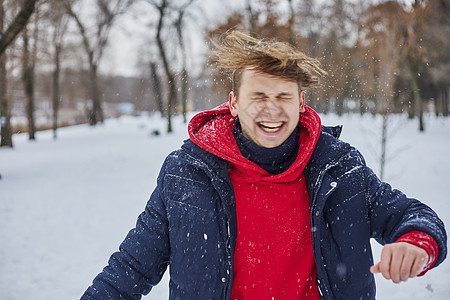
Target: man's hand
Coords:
[(400, 261)]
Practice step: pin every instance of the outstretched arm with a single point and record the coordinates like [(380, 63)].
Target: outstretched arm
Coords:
[(142, 259), (413, 236)]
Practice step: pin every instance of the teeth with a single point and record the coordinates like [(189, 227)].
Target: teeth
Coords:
[(271, 127)]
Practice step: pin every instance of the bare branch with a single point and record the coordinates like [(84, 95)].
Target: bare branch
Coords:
[(19, 22)]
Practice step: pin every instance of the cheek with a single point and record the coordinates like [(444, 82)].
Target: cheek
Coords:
[(293, 110), (247, 123), (294, 116)]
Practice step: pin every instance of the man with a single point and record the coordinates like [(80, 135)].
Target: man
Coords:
[(262, 202)]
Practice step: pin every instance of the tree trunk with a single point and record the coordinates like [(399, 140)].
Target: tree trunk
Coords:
[(384, 127), (6, 134), (184, 92), (445, 96), (418, 101), (326, 104), (339, 105), (291, 23), (156, 87), (411, 106), (170, 76), (184, 74), (56, 73), (96, 113), (362, 107), (17, 24), (28, 83)]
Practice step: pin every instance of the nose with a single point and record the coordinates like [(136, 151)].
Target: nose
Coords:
[(271, 109)]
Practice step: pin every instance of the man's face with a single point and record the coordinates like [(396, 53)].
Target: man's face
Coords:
[(268, 107)]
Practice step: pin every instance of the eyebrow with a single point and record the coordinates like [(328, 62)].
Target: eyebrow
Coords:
[(262, 94)]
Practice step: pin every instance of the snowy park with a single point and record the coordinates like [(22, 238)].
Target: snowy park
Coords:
[(66, 204)]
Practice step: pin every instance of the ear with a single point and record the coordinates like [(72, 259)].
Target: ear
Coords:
[(232, 102), (302, 101)]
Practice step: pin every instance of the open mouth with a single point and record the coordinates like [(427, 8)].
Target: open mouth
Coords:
[(270, 126)]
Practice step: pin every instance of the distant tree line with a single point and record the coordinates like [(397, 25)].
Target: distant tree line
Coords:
[(382, 57)]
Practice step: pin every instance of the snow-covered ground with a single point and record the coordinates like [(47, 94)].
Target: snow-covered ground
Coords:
[(65, 205)]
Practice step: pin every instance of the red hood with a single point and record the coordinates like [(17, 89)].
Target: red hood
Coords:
[(212, 130)]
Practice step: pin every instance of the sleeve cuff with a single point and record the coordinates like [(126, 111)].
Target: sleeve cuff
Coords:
[(424, 241)]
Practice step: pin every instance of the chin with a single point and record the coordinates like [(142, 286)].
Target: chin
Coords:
[(271, 144)]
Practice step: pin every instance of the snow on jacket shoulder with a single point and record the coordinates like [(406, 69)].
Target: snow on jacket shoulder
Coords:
[(190, 223)]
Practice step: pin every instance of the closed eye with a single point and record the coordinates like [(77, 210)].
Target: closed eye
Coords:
[(259, 96), (285, 96)]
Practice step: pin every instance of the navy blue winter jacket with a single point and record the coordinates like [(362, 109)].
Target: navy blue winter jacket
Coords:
[(189, 223)]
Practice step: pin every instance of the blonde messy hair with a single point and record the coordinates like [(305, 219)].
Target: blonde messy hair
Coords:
[(238, 51)]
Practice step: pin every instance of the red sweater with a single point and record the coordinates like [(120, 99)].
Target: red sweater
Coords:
[(273, 257)]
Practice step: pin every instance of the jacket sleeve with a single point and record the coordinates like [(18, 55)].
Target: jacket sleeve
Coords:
[(142, 257), (392, 215)]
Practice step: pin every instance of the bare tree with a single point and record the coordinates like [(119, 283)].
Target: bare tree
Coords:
[(335, 54), (436, 33), (95, 43), (17, 24), (58, 19), (383, 27), (29, 54), (6, 135), (156, 86), (163, 9), (417, 52), (184, 73), (6, 39)]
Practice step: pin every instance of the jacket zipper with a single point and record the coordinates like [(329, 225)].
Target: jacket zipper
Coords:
[(314, 214), (229, 267), (320, 290)]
